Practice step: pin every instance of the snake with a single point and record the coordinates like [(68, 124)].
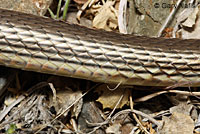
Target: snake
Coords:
[(45, 45)]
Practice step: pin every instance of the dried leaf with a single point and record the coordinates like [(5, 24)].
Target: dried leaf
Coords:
[(190, 21), (110, 98), (178, 123), (105, 17), (182, 108), (65, 98), (128, 124), (193, 26), (114, 129)]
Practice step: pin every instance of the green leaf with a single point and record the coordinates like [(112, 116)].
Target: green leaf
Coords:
[(11, 129)]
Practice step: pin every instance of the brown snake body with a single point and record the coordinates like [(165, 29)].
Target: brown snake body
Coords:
[(44, 45)]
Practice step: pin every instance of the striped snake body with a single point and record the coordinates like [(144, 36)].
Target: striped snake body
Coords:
[(44, 45)]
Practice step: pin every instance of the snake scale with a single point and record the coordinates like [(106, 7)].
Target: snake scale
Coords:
[(45, 45)]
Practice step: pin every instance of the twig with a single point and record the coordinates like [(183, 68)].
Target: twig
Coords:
[(54, 92), (112, 89), (183, 15), (87, 4), (135, 117), (108, 118), (139, 113), (169, 18), (140, 124), (122, 17), (145, 98), (45, 125), (20, 98)]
